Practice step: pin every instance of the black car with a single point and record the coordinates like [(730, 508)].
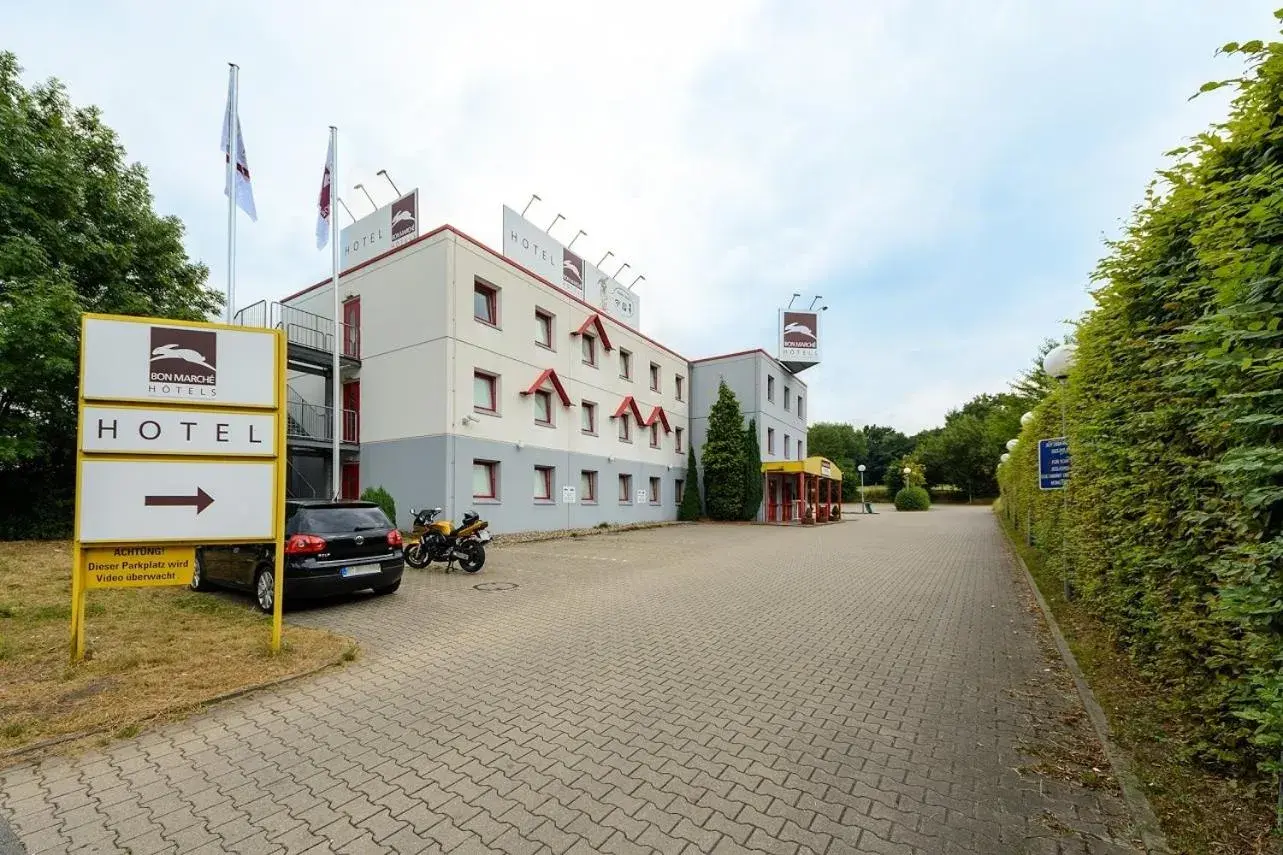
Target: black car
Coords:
[(330, 548)]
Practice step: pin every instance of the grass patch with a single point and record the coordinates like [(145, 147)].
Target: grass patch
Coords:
[(149, 651), (1201, 812)]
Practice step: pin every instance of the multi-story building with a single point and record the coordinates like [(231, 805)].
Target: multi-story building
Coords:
[(469, 381), (769, 395)]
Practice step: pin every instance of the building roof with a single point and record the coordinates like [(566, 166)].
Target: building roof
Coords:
[(753, 352), (446, 227)]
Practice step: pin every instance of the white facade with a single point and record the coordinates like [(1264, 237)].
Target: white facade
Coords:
[(421, 428)]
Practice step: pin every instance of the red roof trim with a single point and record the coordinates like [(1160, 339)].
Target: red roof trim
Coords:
[(549, 374), (630, 404), (658, 413), (446, 227), (595, 320), (775, 361)]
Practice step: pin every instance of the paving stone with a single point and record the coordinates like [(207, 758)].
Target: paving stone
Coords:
[(686, 689)]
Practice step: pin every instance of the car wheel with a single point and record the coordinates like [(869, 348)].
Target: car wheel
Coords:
[(198, 582), (388, 589), (265, 589)]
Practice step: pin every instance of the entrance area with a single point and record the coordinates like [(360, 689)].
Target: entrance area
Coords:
[(802, 492)]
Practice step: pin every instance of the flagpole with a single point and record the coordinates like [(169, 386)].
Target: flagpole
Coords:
[(231, 189), (336, 480)]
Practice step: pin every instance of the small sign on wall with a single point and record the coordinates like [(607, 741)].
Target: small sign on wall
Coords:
[(568, 496), (642, 497)]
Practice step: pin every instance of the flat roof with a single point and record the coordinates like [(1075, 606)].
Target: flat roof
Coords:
[(751, 352), (446, 227)]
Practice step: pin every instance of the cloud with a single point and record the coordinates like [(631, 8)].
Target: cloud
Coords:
[(940, 172)]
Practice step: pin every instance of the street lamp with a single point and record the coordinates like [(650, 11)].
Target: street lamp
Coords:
[(1004, 458), (1026, 419), (1012, 443), (861, 468), (1058, 362), (907, 472)]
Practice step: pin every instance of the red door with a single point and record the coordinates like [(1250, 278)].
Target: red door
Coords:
[(351, 481), (352, 411), (352, 328)]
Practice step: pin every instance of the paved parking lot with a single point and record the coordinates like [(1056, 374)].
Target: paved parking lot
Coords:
[(874, 686)]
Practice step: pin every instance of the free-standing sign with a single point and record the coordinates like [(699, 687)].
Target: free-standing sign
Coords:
[(181, 444), (1053, 463)]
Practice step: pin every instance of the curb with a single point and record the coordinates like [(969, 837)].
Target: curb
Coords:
[(1144, 820), (52, 742)]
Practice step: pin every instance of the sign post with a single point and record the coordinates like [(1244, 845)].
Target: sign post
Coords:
[(180, 444), (1053, 463)]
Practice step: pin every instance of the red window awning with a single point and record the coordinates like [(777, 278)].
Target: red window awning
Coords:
[(659, 415), (594, 320), (549, 376), (629, 405)]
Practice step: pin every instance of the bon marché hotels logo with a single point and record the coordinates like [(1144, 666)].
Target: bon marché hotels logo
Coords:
[(405, 219), (184, 363), (800, 330)]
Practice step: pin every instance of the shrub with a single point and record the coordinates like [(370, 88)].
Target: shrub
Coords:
[(912, 499), (689, 510), (383, 499), (752, 473)]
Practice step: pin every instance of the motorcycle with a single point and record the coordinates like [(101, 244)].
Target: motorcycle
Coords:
[(439, 540)]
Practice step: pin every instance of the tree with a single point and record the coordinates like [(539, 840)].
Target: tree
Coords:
[(723, 458), (77, 233), (689, 510), (964, 452), (752, 472), (846, 447), (885, 446)]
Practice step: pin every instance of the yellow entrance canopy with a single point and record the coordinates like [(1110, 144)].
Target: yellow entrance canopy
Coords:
[(821, 466)]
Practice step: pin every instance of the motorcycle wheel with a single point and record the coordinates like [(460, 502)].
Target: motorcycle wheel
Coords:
[(476, 557), (417, 555)]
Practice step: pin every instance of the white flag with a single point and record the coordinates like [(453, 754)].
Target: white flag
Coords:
[(244, 192), (325, 205)]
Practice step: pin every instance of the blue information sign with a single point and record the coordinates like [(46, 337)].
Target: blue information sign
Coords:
[(1053, 463)]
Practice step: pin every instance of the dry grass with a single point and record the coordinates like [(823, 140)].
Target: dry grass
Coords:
[(150, 652), (1201, 812)]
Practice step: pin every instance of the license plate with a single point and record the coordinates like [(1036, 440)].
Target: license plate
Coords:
[(484, 536), (367, 570)]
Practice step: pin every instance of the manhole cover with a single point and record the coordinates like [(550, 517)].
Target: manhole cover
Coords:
[(496, 586)]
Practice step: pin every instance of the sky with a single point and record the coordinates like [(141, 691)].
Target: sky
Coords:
[(942, 175)]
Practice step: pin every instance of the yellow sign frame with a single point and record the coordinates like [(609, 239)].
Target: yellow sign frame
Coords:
[(80, 551)]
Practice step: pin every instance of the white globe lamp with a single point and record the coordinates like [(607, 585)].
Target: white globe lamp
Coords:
[(1026, 418), (1005, 458), (1059, 361), (1012, 443)]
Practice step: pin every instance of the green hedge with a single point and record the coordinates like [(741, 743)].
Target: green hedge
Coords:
[(912, 499), (383, 499), (1175, 425)]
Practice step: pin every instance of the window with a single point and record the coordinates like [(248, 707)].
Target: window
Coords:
[(770, 440), (786, 399), (588, 486), (799, 407), (543, 328), (485, 303), (590, 350), (625, 429), (770, 389), (485, 479), (678, 486), (588, 417), (654, 376), (485, 392), (801, 453), (786, 446), (543, 483), (625, 364), (677, 432), (679, 383), (654, 436), (543, 408), (625, 489), (654, 491)]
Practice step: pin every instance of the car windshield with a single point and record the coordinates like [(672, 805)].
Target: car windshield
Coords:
[(333, 520)]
